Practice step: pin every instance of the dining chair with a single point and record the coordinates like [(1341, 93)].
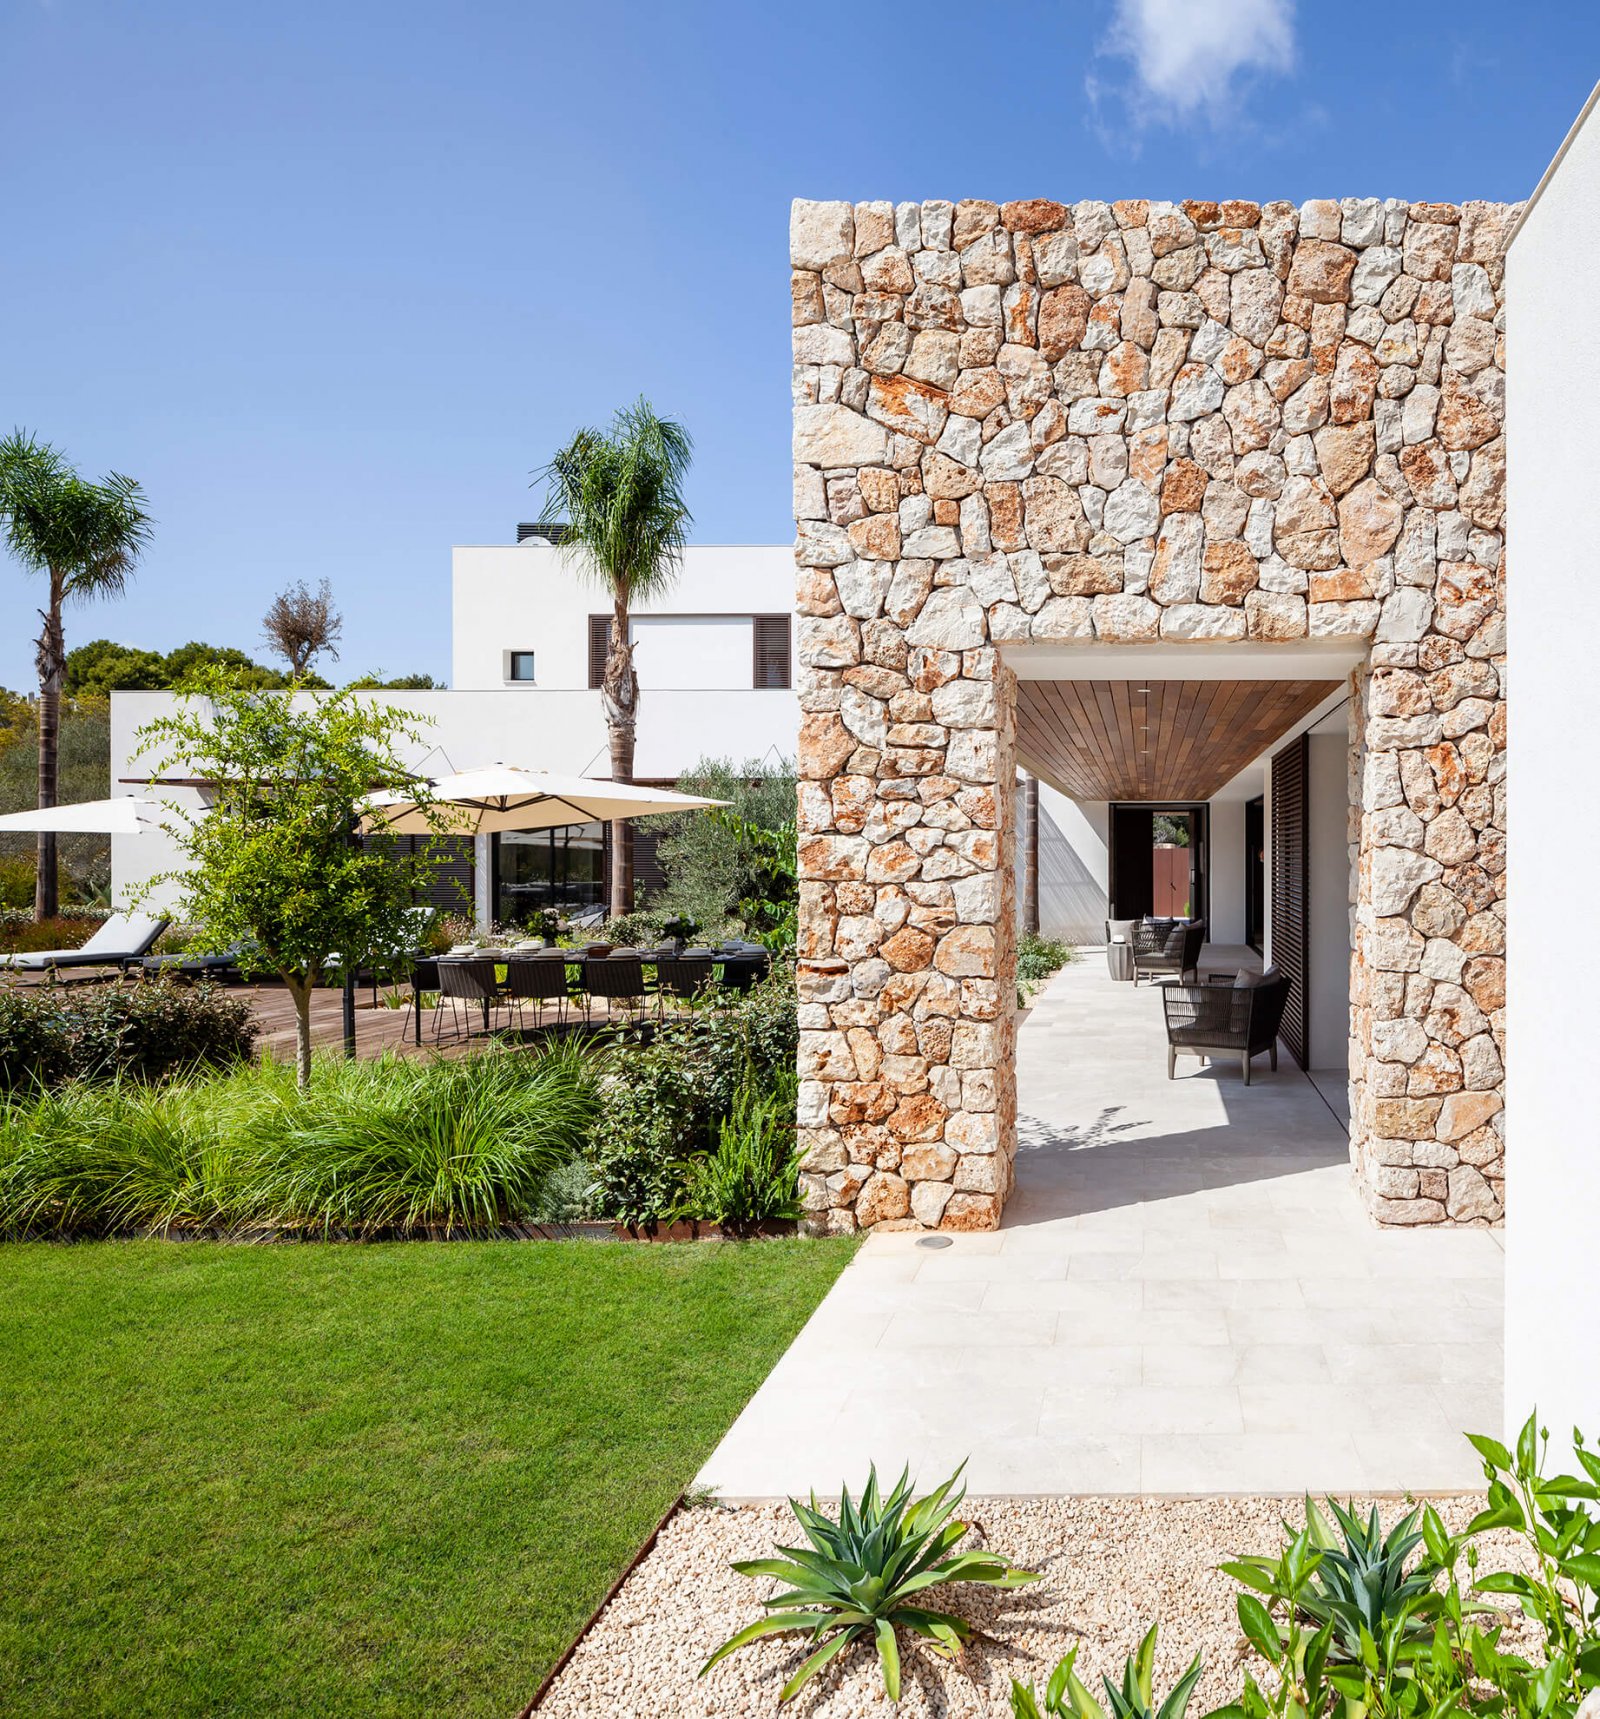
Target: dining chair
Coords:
[(537, 979), (617, 979), (466, 984)]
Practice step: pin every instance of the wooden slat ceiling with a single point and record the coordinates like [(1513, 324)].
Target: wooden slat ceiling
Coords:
[(1174, 740)]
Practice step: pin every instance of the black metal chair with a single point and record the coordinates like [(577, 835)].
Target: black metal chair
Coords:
[(683, 976), (424, 978), (744, 970), (466, 982), (1212, 1021), (1167, 948), (617, 979), (537, 979)]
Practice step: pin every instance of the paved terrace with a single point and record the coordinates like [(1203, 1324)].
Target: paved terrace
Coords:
[(1185, 1297)]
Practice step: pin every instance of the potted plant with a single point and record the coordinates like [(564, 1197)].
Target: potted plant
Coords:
[(680, 930)]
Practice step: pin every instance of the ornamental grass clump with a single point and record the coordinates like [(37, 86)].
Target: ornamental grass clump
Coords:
[(860, 1577)]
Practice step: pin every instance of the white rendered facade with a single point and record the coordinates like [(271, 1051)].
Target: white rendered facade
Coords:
[(695, 660)]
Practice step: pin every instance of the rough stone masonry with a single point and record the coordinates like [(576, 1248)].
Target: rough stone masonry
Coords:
[(1036, 421)]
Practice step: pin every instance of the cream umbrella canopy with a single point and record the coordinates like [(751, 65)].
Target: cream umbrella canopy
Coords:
[(122, 815), (503, 797)]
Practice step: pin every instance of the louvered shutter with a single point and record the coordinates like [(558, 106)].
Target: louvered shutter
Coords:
[(771, 636), (1291, 893), (599, 644)]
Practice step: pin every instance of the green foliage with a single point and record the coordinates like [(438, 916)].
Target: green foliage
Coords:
[(1169, 829), (1346, 1632), (388, 1147), (723, 868), (102, 667), (620, 492), (275, 864), (662, 1102), (85, 536), (380, 682), (83, 768), (1361, 1583), (144, 1032), (1562, 1597), (1065, 1697), (16, 883), (637, 930), (21, 933), (1038, 957), (862, 1576), (752, 1177)]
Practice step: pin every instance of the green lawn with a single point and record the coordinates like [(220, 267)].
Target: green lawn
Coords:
[(330, 1480)]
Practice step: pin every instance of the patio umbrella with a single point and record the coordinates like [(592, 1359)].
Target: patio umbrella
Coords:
[(502, 797), (123, 815)]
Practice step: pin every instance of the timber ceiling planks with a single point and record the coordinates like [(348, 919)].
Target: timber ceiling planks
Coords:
[(1174, 740)]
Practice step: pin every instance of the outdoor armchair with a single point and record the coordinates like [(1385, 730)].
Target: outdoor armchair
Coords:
[(124, 939), (1239, 1020), (1167, 947)]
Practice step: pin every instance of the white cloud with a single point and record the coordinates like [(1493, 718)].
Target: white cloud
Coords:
[(1188, 55)]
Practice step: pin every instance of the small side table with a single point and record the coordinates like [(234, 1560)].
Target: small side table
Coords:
[(1119, 960)]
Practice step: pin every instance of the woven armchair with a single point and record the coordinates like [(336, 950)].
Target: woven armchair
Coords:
[(1167, 948), (1224, 1020)]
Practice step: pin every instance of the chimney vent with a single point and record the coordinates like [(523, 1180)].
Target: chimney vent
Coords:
[(548, 531)]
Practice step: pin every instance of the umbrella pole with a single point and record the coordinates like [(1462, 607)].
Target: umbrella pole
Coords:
[(349, 1015)]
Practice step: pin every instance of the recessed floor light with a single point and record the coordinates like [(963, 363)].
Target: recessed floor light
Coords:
[(934, 1241)]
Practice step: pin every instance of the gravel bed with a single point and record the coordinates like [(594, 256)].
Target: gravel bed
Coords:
[(1111, 1567)]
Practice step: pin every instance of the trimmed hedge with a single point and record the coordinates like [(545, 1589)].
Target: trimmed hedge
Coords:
[(147, 1032)]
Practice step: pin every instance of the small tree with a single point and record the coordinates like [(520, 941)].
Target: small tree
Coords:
[(274, 865), (84, 538), (303, 625), (620, 493)]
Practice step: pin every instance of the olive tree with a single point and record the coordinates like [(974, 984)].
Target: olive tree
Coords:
[(275, 865)]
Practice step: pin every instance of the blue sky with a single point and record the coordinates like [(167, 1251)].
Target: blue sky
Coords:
[(332, 279)]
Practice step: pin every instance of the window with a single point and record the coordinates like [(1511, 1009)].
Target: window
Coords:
[(561, 868), (519, 665), (771, 651)]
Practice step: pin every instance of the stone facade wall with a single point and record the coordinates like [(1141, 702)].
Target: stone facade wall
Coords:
[(1133, 422)]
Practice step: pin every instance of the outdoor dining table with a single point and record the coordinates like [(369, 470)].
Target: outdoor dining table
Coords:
[(739, 955)]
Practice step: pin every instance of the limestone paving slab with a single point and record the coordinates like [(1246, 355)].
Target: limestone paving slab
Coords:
[(1186, 1297)]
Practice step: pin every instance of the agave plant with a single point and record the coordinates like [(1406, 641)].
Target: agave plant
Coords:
[(1066, 1698), (860, 1577), (1360, 1583)]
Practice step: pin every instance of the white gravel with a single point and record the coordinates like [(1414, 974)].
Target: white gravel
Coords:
[(1111, 1567)]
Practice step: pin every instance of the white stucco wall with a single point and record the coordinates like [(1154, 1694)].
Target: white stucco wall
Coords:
[(1226, 921), (1553, 1139), (527, 597), (1072, 866), (1328, 933), (538, 728)]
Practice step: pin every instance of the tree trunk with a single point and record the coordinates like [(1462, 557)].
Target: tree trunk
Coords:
[(50, 657), (619, 693), (300, 991)]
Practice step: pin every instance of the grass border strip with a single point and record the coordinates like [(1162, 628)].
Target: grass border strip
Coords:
[(594, 1617)]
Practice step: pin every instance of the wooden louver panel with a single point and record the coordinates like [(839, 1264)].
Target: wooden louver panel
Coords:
[(1291, 892), (599, 644), (771, 649)]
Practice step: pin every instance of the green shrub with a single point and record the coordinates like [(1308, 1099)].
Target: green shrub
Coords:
[(1038, 957), (865, 1576), (662, 1102), (752, 1176), (404, 1146), (21, 934), (393, 1146), (36, 1047), (17, 874), (147, 1031), (637, 930), (709, 863)]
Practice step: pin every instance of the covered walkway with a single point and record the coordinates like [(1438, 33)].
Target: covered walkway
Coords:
[(1185, 1298)]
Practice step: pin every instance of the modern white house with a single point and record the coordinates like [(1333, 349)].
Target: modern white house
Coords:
[(528, 636)]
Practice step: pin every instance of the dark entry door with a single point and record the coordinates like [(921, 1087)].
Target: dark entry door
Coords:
[(1158, 861)]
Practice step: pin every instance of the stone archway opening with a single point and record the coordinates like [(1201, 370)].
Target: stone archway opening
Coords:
[(1200, 428)]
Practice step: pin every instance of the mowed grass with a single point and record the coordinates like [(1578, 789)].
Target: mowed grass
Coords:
[(331, 1480)]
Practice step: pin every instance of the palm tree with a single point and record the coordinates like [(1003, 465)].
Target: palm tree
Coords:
[(620, 495), (85, 538)]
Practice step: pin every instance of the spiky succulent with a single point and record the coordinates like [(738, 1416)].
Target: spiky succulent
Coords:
[(860, 1576), (1066, 1698)]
